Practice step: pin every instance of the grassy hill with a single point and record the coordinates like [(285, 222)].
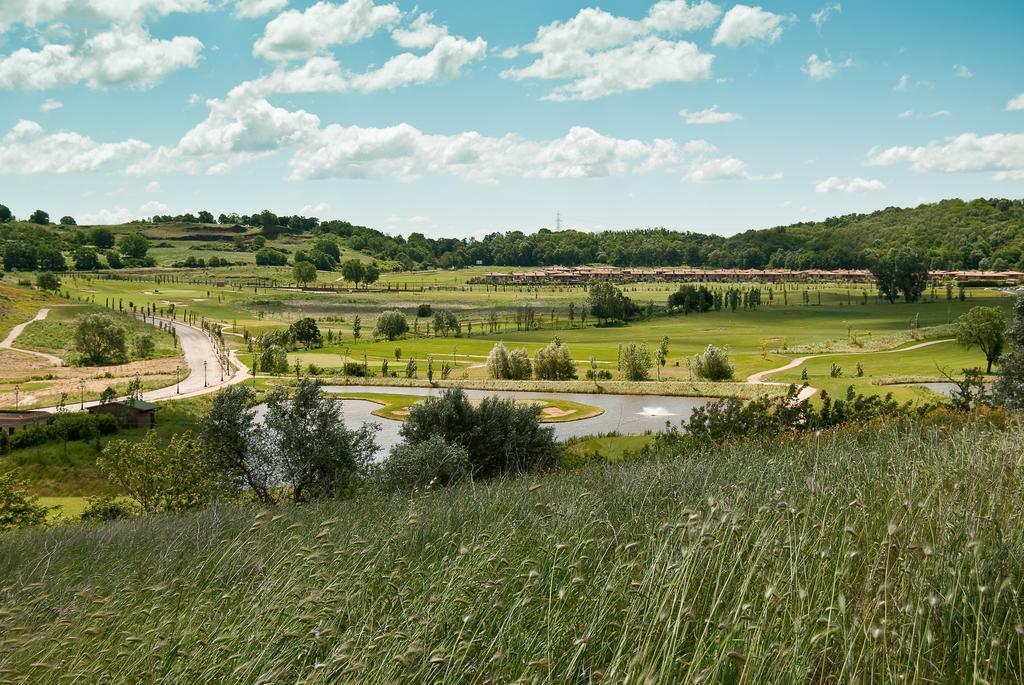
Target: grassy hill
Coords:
[(884, 554)]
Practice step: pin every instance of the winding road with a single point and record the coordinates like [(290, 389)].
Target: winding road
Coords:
[(8, 342), (808, 392)]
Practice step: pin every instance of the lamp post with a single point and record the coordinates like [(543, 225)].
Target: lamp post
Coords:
[(81, 389), (177, 380), (17, 392), (205, 384)]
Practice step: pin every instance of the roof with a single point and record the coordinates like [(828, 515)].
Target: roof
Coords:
[(14, 414), (140, 405)]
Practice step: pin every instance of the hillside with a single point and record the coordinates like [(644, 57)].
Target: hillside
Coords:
[(846, 557), (954, 234)]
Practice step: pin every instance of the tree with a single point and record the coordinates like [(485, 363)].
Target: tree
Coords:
[(171, 477), (430, 463), (18, 509), (317, 455), (501, 436), (134, 245), (205, 217), (100, 340), (304, 273), (424, 311), (554, 362), (306, 332), (267, 221), (143, 346), (68, 221), (101, 237), (357, 328), (900, 270), (1009, 388), (984, 327), (47, 281), (353, 270), (5, 214), (268, 256), (608, 303), (713, 364), (39, 217), (51, 259), (636, 362), (390, 325), (503, 364), (661, 355), (86, 259), (231, 436)]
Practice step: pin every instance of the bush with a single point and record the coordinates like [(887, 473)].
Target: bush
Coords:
[(143, 346), (68, 426), (390, 325), (356, 370), (104, 508), (505, 364), (554, 362), (636, 362), (423, 465), (501, 436), (268, 256), (99, 340), (713, 364), (47, 281), (18, 509)]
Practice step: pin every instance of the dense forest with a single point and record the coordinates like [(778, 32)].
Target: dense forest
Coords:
[(951, 234)]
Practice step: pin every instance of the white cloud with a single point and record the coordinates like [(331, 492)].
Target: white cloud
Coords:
[(444, 61), (314, 210), (300, 34), (42, 12), (906, 114), (962, 71), (26, 149), (903, 83), (249, 9), (599, 53), (1016, 104), (710, 115), (195, 98), (421, 34), (825, 13), (820, 70), (1002, 153), (121, 55), (153, 187), (942, 113), (704, 164), (834, 184), (105, 217), (153, 207), (745, 24), (51, 105)]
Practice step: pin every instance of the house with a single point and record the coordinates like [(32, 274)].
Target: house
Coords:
[(129, 413), (11, 421)]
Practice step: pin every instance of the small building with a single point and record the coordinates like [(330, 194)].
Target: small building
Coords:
[(129, 413), (11, 421)]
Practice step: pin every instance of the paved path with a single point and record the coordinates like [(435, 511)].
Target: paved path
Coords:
[(807, 392), (8, 342)]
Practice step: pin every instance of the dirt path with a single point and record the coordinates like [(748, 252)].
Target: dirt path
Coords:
[(758, 378), (8, 342)]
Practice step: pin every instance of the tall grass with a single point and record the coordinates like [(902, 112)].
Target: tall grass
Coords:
[(889, 554)]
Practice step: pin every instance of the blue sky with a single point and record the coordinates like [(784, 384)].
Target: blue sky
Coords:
[(461, 118)]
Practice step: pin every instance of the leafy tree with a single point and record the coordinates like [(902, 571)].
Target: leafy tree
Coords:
[(371, 274), (607, 303), (268, 256), (353, 270), (446, 322), (50, 259), (713, 364), (304, 272), (501, 436), (900, 270), (272, 359), (317, 455), (430, 463), (357, 327), (108, 395), (424, 311), (104, 509), (1009, 388), (267, 221), (100, 340), (554, 362), (143, 346), (86, 259), (68, 221), (205, 217), (258, 243), (231, 437), (39, 217), (18, 509), (985, 328), (47, 281), (101, 237), (503, 364), (5, 214), (661, 355), (171, 477), (134, 245), (636, 362), (390, 325), (306, 332)]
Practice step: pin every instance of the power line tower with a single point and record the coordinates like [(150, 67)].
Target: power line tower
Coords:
[(558, 220)]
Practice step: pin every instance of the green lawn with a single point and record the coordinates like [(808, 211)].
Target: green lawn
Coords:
[(56, 333)]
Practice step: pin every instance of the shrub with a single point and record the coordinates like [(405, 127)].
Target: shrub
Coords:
[(636, 362), (18, 509), (713, 364), (554, 362), (104, 508), (356, 370), (503, 364), (390, 325), (273, 359), (268, 256), (143, 346), (47, 281), (99, 340), (501, 436), (422, 465)]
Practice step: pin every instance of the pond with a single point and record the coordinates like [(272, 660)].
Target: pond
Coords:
[(941, 387), (625, 414)]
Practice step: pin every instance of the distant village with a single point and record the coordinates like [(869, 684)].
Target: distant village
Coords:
[(585, 274)]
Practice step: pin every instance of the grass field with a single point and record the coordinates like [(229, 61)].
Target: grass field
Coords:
[(396, 407), (56, 333), (892, 553)]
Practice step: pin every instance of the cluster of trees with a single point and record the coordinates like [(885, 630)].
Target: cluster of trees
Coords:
[(101, 340), (607, 303), (691, 298), (35, 249)]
